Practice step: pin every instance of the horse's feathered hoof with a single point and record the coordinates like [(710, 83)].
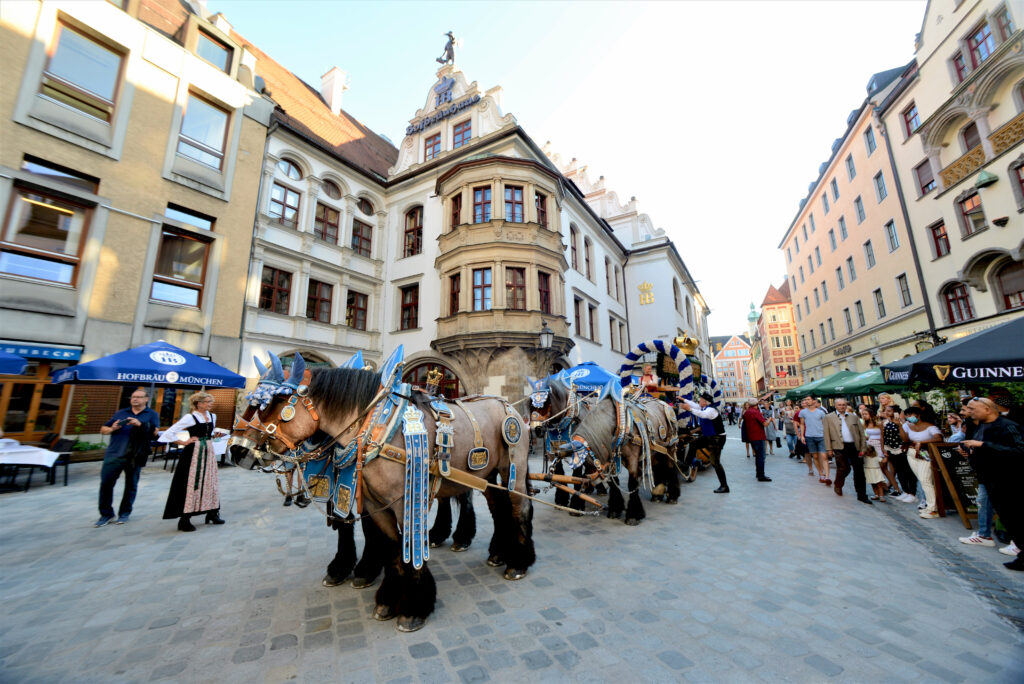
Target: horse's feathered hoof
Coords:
[(495, 561), (435, 545), (329, 581), (671, 501), (632, 522), (512, 574), (614, 514), (576, 514), (655, 498), (407, 623), (383, 613), (362, 582), (458, 548)]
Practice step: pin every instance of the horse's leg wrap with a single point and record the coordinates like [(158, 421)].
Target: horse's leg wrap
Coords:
[(576, 503), (635, 507), (616, 504), (672, 495), (344, 560), (501, 512), (442, 523), (561, 496), (465, 530), (375, 549), (521, 553)]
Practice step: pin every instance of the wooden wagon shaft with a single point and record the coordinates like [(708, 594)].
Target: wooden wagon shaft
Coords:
[(565, 479), (573, 492)]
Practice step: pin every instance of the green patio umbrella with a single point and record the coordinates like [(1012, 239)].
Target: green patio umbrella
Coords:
[(868, 382), (805, 390), (828, 386)]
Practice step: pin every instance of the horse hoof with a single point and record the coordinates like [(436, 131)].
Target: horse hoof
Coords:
[(512, 574), (383, 613), (329, 581), (407, 623), (671, 501), (655, 498), (576, 514), (632, 522), (495, 561), (459, 548), (614, 514), (362, 582), (435, 545)]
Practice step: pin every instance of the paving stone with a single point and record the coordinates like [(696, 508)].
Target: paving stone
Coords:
[(317, 640), (248, 654), (582, 641), (536, 660), (823, 665), (462, 655), (675, 660), (552, 614), (169, 670), (284, 641), (424, 649), (942, 673)]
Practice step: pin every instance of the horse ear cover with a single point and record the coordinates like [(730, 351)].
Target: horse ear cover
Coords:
[(260, 367), (298, 369), (277, 370)]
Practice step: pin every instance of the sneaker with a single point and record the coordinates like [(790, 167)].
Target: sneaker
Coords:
[(122, 519), (104, 520), (929, 515), (978, 540), (921, 506), (1010, 550), (908, 498)]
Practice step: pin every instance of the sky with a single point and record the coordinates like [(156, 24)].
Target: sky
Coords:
[(714, 115)]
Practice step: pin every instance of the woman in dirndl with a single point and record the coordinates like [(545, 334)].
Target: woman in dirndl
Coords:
[(195, 486)]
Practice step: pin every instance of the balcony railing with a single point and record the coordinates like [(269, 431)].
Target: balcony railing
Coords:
[(963, 167), (1008, 135)]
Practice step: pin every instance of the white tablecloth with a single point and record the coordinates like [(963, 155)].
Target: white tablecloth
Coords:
[(26, 455), (220, 444)]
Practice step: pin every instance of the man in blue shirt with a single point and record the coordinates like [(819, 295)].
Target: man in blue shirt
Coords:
[(130, 429)]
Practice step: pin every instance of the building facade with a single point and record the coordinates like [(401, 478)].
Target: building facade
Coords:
[(850, 262), (955, 126), (132, 146), (461, 244), (732, 367), (777, 335)]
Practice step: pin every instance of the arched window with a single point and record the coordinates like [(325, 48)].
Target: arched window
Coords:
[(675, 296), (969, 134), (608, 275), (958, 303), (618, 275), (365, 206), (290, 169), (413, 243), (332, 190), (572, 248), (449, 386), (1010, 285), (586, 257), (689, 312)]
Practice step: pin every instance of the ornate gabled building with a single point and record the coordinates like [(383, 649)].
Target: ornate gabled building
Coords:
[(732, 367)]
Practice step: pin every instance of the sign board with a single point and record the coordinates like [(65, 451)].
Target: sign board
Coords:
[(41, 351), (960, 480)]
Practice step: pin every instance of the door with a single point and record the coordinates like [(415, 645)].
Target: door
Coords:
[(30, 405)]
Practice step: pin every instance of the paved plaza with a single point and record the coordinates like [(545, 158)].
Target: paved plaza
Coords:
[(778, 581)]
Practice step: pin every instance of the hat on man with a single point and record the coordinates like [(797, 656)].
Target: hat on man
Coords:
[(706, 397)]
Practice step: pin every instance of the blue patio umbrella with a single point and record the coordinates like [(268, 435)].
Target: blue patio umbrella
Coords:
[(157, 363), (589, 377), (12, 364)]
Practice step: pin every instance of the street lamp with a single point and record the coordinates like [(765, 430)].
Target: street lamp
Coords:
[(874, 363), (547, 335)]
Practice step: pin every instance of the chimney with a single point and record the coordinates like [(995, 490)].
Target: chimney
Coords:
[(221, 22), (332, 85)]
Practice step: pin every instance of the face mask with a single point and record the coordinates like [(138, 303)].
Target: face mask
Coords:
[(912, 419)]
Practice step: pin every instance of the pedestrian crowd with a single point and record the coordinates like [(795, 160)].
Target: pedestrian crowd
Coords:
[(885, 449)]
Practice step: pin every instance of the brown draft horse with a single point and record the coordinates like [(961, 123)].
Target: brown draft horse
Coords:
[(597, 424), (338, 397)]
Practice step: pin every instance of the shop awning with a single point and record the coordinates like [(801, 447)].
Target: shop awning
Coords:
[(12, 364), (993, 355), (827, 387)]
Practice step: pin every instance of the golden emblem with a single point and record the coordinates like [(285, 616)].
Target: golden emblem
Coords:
[(646, 293), (318, 486), (942, 372)]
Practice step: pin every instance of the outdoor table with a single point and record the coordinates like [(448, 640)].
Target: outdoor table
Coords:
[(17, 455)]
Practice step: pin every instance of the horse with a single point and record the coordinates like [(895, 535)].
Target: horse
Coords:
[(336, 401), (641, 432)]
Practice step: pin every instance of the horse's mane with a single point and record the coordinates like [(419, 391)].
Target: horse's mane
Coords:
[(343, 390), (598, 426)]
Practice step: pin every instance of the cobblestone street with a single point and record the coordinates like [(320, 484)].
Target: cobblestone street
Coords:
[(778, 581)]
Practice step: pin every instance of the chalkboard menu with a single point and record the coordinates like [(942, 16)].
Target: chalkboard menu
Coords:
[(958, 476)]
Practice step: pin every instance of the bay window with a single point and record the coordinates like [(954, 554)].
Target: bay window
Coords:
[(43, 237), (180, 268)]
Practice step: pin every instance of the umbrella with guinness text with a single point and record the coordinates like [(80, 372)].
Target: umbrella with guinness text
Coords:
[(989, 356), (156, 363)]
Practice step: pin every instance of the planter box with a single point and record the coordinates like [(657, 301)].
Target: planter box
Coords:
[(86, 456)]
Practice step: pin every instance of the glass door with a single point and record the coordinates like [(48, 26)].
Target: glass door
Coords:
[(30, 405)]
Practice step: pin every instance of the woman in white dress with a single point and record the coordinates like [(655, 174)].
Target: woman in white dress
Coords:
[(873, 474), (919, 432), (195, 486)]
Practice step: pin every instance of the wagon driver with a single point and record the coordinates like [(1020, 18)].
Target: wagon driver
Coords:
[(712, 436)]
